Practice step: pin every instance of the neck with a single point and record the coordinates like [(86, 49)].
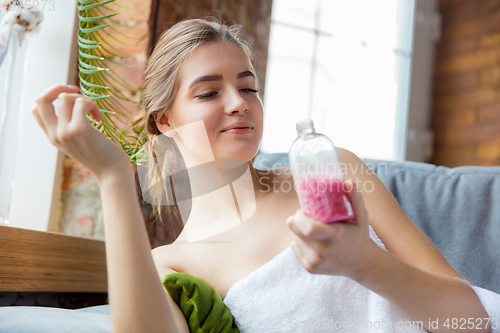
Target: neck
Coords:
[(224, 195)]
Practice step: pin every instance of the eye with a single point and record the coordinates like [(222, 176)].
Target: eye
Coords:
[(249, 90), (207, 95)]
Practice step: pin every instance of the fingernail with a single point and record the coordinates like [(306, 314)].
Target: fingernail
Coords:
[(80, 92), (72, 86)]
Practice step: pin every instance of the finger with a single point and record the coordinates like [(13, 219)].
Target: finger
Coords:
[(46, 109), (301, 258), (51, 93), (295, 229), (64, 109), (82, 106), (34, 112), (310, 246), (95, 113), (304, 254), (309, 227)]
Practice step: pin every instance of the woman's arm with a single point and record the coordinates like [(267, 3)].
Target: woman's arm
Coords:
[(413, 274), (398, 233), (137, 298), (139, 302), (425, 296)]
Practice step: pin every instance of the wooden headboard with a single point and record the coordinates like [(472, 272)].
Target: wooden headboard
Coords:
[(50, 262)]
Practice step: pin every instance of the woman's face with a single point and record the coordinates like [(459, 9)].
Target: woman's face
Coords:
[(217, 88)]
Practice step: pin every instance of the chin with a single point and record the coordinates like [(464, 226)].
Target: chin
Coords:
[(245, 154), (237, 156)]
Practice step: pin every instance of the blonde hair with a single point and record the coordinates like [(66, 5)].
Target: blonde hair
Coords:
[(160, 84)]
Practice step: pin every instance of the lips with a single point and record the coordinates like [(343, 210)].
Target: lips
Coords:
[(238, 126), (239, 130)]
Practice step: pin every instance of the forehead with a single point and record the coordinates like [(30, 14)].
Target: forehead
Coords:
[(223, 58)]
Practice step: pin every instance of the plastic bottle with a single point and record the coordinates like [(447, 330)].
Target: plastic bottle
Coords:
[(318, 177)]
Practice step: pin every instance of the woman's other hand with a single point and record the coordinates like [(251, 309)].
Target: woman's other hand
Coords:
[(71, 132), (338, 248)]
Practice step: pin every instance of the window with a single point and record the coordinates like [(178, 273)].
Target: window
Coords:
[(47, 60), (346, 65)]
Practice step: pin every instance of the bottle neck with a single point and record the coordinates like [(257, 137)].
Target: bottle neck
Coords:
[(301, 131)]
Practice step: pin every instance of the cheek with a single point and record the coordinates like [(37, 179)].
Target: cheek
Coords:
[(258, 114), (213, 123), (206, 113)]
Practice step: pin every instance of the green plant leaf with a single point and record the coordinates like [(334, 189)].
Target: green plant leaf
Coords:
[(100, 83), (85, 7)]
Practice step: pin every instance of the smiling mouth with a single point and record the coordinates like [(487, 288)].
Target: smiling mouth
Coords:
[(238, 130)]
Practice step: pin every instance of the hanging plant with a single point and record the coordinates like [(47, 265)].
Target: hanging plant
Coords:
[(101, 84)]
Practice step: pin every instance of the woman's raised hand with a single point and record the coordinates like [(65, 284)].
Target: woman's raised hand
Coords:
[(71, 132), (339, 248)]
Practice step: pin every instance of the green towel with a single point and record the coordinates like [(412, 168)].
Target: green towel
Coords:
[(202, 306)]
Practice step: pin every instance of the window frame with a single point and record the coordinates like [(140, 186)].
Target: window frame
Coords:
[(405, 53), (50, 59)]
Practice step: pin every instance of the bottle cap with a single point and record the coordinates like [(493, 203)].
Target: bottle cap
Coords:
[(305, 126)]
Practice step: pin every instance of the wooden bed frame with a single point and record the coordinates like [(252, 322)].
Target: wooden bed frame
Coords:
[(50, 262)]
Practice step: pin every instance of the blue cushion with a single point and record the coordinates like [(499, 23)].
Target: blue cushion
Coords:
[(457, 208)]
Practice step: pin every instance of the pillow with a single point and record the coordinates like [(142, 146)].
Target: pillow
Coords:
[(201, 305), (30, 319)]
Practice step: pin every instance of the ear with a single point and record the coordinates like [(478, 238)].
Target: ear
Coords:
[(163, 123)]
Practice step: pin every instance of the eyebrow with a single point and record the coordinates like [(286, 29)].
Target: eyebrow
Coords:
[(218, 77)]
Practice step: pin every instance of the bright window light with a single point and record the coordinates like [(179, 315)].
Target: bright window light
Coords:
[(346, 65)]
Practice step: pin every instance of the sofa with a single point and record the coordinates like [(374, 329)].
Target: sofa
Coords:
[(457, 208)]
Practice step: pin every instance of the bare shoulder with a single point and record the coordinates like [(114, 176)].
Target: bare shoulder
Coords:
[(347, 156), (398, 233), (168, 259)]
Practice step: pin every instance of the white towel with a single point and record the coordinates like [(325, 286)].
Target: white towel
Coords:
[(491, 303), (281, 296)]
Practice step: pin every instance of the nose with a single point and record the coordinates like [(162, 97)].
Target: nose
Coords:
[(235, 102)]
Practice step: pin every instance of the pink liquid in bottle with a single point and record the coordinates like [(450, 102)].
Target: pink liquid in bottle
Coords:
[(323, 198)]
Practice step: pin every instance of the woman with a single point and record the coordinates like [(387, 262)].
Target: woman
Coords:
[(201, 73)]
